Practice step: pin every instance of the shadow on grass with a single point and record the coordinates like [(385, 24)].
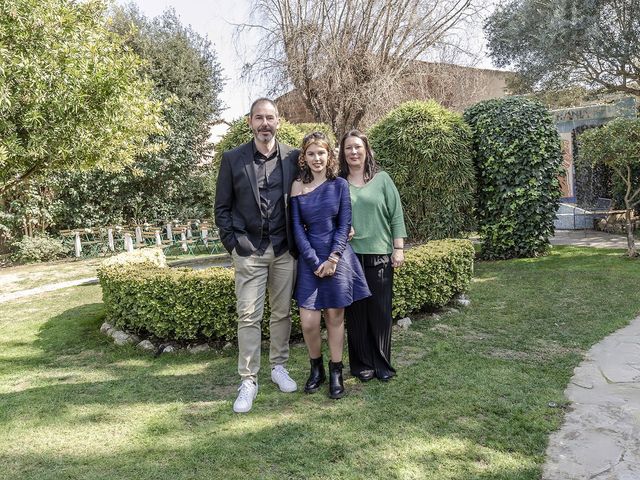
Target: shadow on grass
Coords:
[(431, 422), (73, 331), (441, 418), (74, 364)]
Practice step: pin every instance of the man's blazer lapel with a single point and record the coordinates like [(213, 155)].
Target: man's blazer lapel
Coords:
[(247, 158), (286, 170)]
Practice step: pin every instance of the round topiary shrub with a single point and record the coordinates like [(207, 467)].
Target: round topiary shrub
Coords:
[(239, 133), (518, 161), (427, 151)]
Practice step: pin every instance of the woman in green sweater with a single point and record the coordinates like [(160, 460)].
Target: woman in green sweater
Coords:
[(379, 244)]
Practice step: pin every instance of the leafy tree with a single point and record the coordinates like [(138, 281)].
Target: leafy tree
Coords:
[(71, 94), (617, 146), (187, 77), (554, 44)]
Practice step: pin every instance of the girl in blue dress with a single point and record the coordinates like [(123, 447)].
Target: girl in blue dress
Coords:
[(329, 276)]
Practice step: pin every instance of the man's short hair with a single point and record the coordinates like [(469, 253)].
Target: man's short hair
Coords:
[(263, 100)]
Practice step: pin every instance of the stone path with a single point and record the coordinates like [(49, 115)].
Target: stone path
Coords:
[(588, 238), (5, 297), (600, 438), (196, 264)]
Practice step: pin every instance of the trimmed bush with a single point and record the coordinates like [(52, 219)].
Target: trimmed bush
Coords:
[(38, 249), (431, 275), (153, 255), (180, 304), (184, 304), (518, 161), (426, 149), (240, 133)]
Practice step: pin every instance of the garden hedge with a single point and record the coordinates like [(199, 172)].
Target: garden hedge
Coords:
[(426, 149), (518, 162), (184, 304), (432, 274)]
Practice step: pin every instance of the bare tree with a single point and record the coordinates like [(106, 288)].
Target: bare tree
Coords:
[(346, 56)]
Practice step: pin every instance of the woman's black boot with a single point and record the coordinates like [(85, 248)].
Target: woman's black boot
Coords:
[(316, 377), (336, 387)]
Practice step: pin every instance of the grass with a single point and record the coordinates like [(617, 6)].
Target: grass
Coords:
[(470, 401)]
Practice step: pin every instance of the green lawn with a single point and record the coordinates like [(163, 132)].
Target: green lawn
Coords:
[(470, 400)]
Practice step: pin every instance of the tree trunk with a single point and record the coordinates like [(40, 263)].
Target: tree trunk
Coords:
[(631, 243)]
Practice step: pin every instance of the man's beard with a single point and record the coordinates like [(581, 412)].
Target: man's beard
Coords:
[(266, 132)]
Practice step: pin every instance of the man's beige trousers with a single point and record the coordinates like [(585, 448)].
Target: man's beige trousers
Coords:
[(255, 275)]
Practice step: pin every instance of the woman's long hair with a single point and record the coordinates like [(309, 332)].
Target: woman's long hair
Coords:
[(320, 139), (370, 165)]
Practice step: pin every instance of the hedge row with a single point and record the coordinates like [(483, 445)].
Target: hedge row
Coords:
[(183, 304), (431, 275)]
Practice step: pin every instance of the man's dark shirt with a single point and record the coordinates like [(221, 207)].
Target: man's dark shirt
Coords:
[(269, 175)]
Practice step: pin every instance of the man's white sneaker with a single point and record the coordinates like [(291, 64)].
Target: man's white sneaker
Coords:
[(246, 394), (280, 377)]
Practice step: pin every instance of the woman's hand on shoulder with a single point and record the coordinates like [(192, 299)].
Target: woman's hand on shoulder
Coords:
[(296, 188)]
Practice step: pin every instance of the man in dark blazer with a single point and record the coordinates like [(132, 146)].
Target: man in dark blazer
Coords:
[(252, 215)]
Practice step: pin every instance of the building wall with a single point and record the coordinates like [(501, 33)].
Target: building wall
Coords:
[(569, 119)]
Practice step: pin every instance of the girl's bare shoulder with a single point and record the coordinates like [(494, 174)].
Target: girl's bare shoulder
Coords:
[(296, 188)]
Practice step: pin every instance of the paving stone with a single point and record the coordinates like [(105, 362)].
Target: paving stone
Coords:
[(619, 373)]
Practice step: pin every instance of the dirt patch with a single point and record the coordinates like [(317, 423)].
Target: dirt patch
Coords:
[(408, 355), (83, 355), (19, 387), (541, 350), (506, 354), (473, 336), (11, 278), (551, 349), (442, 328)]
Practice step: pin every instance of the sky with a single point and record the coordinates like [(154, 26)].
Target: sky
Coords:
[(215, 19)]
